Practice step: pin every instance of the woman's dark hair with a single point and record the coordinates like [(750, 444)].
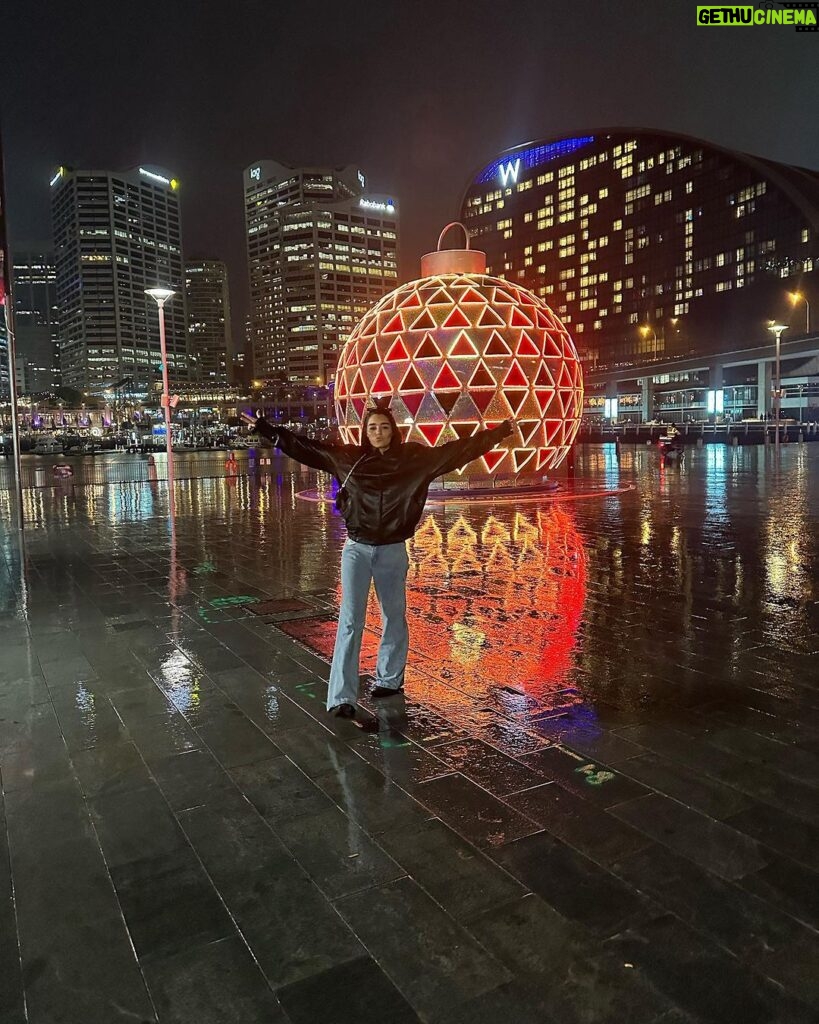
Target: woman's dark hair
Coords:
[(381, 408)]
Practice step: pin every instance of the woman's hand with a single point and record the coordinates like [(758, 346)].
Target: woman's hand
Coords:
[(250, 420)]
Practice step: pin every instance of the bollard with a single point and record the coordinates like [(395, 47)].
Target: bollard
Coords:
[(699, 442), (734, 440)]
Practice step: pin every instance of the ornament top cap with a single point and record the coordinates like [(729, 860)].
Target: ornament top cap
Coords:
[(453, 261)]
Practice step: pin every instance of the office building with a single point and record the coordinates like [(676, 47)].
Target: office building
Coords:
[(36, 319), (209, 328), (117, 233), (321, 251)]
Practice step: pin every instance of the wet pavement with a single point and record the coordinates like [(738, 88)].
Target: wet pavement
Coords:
[(596, 804)]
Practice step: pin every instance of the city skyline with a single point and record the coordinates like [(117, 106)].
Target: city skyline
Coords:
[(421, 126)]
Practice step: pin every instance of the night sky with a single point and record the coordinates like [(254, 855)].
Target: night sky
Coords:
[(419, 94)]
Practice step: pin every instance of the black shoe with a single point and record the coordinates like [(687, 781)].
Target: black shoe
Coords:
[(385, 691), (343, 711)]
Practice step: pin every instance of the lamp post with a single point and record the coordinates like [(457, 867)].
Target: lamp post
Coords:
[(777, 330), (161, 296), (644, 330), (796, 298)]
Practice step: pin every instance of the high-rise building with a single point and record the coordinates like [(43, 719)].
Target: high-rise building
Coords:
[(36, 318), (209, 330), (667, 257), (117, 233), (321, 250), (648, 244)]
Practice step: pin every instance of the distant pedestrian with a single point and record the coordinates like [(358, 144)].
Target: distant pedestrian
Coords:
[(383, 490)]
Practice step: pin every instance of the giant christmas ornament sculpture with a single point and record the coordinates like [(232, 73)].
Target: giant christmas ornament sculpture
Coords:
[(458, 350)]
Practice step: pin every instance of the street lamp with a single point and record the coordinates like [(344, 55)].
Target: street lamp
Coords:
[(645, 330), (777, 330), (796, 298), (161, 296)]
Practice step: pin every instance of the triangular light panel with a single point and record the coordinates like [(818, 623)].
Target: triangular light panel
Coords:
[(430, 432), (371, 354), (497, 346), (482, 378), (493, 459), (526, 347), (482, 400), (423, 322), (398, 353), (463, 346), (413, 403), (489, 318), (411, 381), (457, 318), (446, 380), (395, 326), (428, 349), (382, 385), (466, 429), (515, 378)]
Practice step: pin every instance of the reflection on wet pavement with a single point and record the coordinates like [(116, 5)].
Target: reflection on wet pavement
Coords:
[(608, 750)]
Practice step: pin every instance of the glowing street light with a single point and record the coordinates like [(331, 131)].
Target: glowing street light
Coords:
[(777, 330), (646, 330), (796, 298), (161, 296)]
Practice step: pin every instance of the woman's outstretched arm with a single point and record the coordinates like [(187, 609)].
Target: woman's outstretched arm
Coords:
[(454, 454), (316, 454)]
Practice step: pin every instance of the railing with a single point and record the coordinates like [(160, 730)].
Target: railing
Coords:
[(85, 471), (706, 433)]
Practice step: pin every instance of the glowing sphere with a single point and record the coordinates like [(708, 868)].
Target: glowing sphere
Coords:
[(460, 351)]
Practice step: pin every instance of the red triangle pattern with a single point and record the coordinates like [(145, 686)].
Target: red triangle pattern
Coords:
[(521, 456), (411, 381), (430, 432), (501, 340), (544, 397), (398, 353), (463, 346), (457, 318), (423, 322), (371, 355), (515, 378), (497, 346), (413, 403), (446, 380), (519, 319), (466, 428), (382, 385), (493, 459), (515, 399), (526, 347), (482, 400), (428, 349), (482, 378), (395, 326)]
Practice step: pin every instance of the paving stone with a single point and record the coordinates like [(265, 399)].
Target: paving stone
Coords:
[(433, 961)]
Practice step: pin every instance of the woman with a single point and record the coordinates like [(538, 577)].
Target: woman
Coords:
[(384, 484)]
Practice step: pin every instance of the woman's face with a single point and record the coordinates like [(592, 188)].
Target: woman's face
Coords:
[(379, 432)]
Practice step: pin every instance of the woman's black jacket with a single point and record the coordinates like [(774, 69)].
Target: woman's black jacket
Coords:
[(385, 495)]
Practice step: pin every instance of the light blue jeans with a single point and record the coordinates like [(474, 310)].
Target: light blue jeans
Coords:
[(386, 566)]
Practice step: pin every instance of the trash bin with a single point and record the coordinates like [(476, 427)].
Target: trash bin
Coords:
[(40, 476)]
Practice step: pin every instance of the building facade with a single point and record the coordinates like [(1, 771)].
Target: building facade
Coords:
[(655, 249), (321, 250), (116, 234), (36, 319), (209, 329)]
